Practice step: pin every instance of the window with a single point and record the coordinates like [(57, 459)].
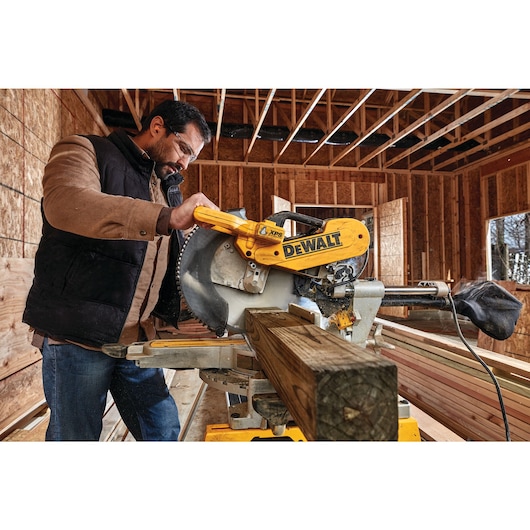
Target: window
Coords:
[(509, 248)]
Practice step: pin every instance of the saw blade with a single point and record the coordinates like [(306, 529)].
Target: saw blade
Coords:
[(210, 275)]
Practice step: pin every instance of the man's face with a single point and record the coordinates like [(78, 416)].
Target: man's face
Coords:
[(174, 152)]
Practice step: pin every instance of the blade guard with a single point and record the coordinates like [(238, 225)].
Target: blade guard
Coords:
[(195, 283)]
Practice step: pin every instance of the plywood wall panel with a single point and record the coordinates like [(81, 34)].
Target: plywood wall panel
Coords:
[(10, 100), (210, 182), (284, 190), (522, 188), (418, 230), (306, 192), (363, 193), (267, 183), (390, 220), (41, 120), (262, 150), (230, 192), (191, 182), (16, 351), (11, 162), (345, 194), (37, 147), (401, 185), (11, 214), (11, 126), (252, 193), (32, 224), (9, 248), (33, 172), (20, 393), (327, 195), (436, 222), (507, 191), (230, 149), (490, 199), (450, 247)]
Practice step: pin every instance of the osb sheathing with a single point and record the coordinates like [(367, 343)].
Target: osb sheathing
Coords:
[(31, 121)]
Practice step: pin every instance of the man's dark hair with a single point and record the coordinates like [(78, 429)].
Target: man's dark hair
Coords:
[(177, 114)]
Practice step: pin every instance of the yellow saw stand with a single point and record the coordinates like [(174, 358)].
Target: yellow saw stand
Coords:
[(408, 430)]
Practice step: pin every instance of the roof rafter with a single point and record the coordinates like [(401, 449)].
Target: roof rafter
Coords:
[(316, 98), (411, 96), (453, 125)]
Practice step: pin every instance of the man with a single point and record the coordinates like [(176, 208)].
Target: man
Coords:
[(109, 208)]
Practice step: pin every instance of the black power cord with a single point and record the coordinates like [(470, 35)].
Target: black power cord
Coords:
[(485, 366)]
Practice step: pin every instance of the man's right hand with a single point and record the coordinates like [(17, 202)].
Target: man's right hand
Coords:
[(182, 216)]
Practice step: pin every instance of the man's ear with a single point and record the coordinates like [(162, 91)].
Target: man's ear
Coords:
[(157, 126)]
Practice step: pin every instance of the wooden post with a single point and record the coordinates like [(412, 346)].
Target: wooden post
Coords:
[(333, 389)]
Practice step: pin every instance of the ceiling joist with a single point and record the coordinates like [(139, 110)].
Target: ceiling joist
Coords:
[(441, 130)]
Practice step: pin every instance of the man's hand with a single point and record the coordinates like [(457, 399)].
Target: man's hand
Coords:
[(182, 216)]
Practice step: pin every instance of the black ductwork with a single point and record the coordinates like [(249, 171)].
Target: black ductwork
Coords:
[(408, 141), (115, 118), (276, 134), (342, 138), (375, 140), (308, 136), (232, 130)]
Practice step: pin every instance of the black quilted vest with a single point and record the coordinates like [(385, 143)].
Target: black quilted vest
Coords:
[(83, 288)]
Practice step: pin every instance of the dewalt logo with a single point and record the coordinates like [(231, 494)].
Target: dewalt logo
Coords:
[(311, 245)]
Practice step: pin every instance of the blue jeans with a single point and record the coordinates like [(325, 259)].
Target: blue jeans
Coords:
[(76, 382)]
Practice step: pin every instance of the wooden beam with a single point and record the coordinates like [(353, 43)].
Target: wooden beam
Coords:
[(411, 96), (132, 108), (487, 128), (261, 119), (301, 121), (365, 94), (453, 125), (416, 125), (334, 389), (82, 94)]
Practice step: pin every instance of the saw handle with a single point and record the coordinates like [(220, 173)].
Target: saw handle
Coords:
[(220, 221), (280, 217), (231, 224)]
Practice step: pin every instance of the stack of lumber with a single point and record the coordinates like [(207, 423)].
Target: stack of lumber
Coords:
[(441, 377)]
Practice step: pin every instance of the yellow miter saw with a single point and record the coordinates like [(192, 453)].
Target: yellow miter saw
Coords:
[(240, 264)]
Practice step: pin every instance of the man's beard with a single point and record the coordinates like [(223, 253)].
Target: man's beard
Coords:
[(163, 169)]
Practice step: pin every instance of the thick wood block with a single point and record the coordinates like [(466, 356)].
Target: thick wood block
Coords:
[(334, 390)]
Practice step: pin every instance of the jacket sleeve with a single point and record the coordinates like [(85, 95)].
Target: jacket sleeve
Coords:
[(73, 200)]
